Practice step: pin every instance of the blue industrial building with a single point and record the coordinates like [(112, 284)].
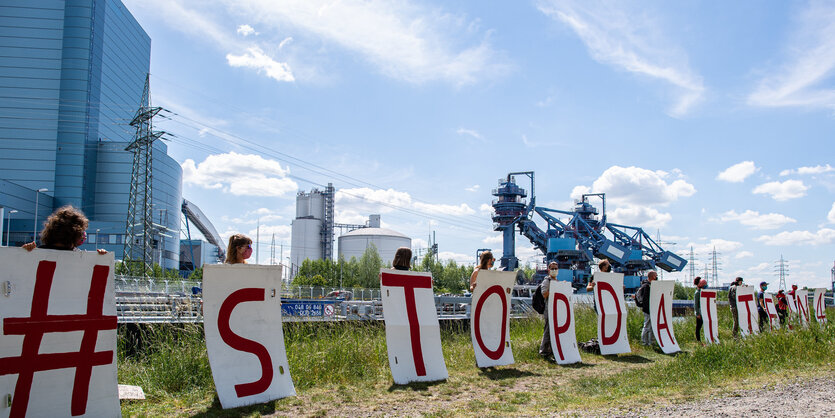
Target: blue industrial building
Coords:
[(72, 74)]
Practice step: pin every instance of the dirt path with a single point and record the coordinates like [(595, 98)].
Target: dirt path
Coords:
[(795, 398)]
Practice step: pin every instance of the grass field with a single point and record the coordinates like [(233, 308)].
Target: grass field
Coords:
[(342, 368)]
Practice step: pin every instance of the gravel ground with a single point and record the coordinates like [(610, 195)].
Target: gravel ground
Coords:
[(808, 398)]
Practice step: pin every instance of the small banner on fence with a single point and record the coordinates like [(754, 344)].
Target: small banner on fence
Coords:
[(244, 337), (611, 313), (413, 334), (661, 314), (820, 305), (490, 318), (58, 344), (802, 300), (771, 310), (708, 312), (746, 308), (560, 311)]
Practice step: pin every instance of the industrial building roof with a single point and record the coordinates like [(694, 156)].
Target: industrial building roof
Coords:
[(374, 231)]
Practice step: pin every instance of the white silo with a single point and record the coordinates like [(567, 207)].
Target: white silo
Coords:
[(310, 224), (387, 241)]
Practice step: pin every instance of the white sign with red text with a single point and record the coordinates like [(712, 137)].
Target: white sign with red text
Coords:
[(490, 318), (57, 334), (413, 335), (746, 308), (707, 306), (611, 313), (661, 314), (802, 301), (771, 311), (820, 305), (560, 310), (244, 337)]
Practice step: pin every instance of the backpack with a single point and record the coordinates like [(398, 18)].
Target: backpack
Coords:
[(537, 300), (640, 295)]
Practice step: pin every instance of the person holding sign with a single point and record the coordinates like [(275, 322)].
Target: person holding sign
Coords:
[(402, 259), (761, 309), (642, 300), (239, 249), (732, 301), (65, 229), (697, 304), (545, 345), (485, 263), (782, 306)]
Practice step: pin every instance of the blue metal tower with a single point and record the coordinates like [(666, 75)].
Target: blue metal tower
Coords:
[(574, 243)]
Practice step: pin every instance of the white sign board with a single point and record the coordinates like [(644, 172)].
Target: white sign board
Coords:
[(661, 314), (792, 303), (771, 310), (58, 337), (490, 318), (707, 306), (802, 301), (746, 308), (560, 310), (244, 337), (413, 335), (611, 313), (820, 305)]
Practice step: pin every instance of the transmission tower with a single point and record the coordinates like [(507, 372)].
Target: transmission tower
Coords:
[(138, 255), (782, 270), (715, 263), (692, 263), (272, 251)]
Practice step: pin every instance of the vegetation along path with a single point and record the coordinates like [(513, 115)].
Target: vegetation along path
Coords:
[(342, 369)]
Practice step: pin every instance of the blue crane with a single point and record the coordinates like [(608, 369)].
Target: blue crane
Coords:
[(573, 239)]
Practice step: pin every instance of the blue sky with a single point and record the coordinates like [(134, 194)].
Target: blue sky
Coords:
[(711, 122)]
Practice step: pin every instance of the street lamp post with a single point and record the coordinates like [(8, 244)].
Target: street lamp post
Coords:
[(35, 227), (9, 225)]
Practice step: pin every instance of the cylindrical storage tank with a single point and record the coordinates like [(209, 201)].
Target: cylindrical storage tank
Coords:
[(302, 205), (317, 205), (306, 241), (387, 241)]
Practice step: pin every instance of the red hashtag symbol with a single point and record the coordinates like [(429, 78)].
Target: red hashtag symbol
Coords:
[(39, 323)]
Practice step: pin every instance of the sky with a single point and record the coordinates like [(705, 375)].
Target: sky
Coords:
[(707, 123)]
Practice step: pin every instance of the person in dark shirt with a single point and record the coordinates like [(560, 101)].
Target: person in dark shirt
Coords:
[(402, 259), (763, 313)]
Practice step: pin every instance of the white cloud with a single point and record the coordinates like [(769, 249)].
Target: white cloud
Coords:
[(485, 209), (282, 233), (638, 186), (368, 200), (631, 41), (818, 169), (285, 42), (493, 239), (240, 175), (404, 40), (831, 215), (469, 132), (721, 246), (743, 254), (645, 216), (246, 30), (255, 58), (737, 173), (789, 189), (457, 257), (473, 188), (756, 220), (809, 61), (578, 191), (821, 237)]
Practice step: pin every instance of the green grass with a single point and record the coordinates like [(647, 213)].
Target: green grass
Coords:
[(345, 364)]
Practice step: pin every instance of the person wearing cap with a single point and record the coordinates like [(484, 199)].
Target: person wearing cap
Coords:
[(697, 306), (732, 301), (761, 305), (782, 306), (793, 294)]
